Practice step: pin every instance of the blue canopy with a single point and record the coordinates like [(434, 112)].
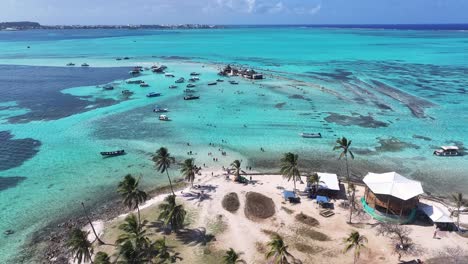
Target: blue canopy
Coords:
[(288, 194), (322, 199)]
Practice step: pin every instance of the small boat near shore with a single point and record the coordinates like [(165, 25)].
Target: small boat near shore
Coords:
[(194, 79), (143, 85), (172, 86), (191, 97), (158, 109), (113, 153), (71, 64), (108, 87), (169, 75), (189, 91), (135, 82), (153, 94), (85, 65), (127, 92), (194, 74), (164, 118), (180, 80), (447, 151), (311, 135), (190, 85), (212, 83), (220, 80), (233, 82)]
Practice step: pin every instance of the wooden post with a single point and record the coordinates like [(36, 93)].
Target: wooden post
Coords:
[(388, 204)]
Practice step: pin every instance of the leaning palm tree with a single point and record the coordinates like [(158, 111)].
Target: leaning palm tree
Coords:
[(130, 253), (80, 246), (133, 196), (343, 144), (189, 170), (289, 167), (163, 161), (278, 250), (232, 257), (102, 258), (459, 202), (133, 242), (172, 214), (236, 167), (355, 241)]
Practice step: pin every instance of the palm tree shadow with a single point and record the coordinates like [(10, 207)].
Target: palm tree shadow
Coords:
[(193, 237)]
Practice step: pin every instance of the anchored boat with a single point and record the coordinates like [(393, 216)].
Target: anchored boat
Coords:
[(311, 135), (113, 153), (447, 151)]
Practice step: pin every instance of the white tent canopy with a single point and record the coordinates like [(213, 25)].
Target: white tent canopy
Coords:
[(392, 183), (328, 181), (436, 213)]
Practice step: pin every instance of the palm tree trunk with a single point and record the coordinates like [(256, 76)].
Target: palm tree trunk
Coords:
[(170, 182), (458, 218), (294, 179), (355, 258), (92, 226), (139, 219), (351, 206), (347, 168)]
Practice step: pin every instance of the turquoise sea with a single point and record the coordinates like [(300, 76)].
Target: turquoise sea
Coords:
[(398, 94)]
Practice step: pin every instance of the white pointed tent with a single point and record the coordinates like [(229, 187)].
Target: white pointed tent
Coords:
[(436, 213), (393, 184), (329, 181)]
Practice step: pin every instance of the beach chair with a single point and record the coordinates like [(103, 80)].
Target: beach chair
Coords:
[(326, 213)]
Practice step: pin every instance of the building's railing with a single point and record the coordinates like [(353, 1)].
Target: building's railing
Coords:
[(386, 218)]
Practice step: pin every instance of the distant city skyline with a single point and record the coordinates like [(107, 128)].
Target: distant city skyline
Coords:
[(238, 12)]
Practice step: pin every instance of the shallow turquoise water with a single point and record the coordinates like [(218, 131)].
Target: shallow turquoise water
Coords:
[(369, 85)]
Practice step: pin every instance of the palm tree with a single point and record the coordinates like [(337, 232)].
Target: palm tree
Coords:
[(236, 167), (91, 224), (189, 170), (289, 167), (172, 214), (80, 246), (133, 242), (232, 257), (356, 241), (163, 161), (278, 250), (314, 179), (162, 250), (102, 258), (133, 196), (459, 202), (343, 144)]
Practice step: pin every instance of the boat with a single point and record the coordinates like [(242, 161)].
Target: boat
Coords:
[(164, 118), (220, 80), (233, 82), (212, 83), (71, 64), (447, 151), (144, 84), (159, 69), (126, 58), (169, 75), (113, 153), (108, 87), (191, 97), (311, 135), (135, 82), (180, 80), (158, 109), (127, 92), (194, 74), (194, 79), (135, 72), (172, 86), (153, 94), (189, 91), (118, 59), (85, 65), (190, 85)]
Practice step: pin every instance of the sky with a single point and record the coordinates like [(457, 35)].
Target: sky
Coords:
[(123, 12)]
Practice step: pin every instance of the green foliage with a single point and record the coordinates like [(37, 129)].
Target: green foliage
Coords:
[(172, 214), (289, 167), (80, 246), (189, 170), (102, 258), (278, 250)]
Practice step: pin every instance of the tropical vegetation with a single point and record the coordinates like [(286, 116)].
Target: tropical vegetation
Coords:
[(189, 170), (289, 167), (278, 251), (164, 160), (356, 242), (80, 246), (132, 196), (173, 215)]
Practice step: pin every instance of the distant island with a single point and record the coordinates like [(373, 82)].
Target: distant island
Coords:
[(26, 25)]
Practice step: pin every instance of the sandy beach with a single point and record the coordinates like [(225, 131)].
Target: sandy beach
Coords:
[(211, 230)]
